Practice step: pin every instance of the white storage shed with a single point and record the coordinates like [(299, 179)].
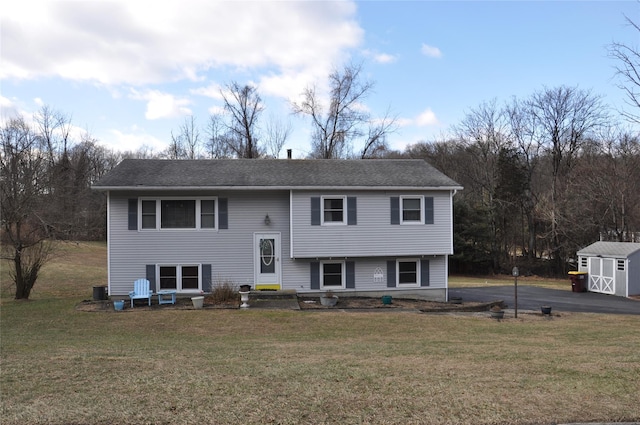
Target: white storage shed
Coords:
[(613, 267)]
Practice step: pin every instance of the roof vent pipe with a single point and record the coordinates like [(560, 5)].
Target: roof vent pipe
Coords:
[(288, 153)]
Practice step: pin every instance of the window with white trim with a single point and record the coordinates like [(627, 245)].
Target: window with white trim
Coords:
[(333, 210), (183, 278), (583, 262), (332, 275), (178, 213), (408, 273), (411, 209)]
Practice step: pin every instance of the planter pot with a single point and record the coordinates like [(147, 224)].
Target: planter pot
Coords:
[(387, 299), (497, 314), (118, 305), (198, 302), (244, 297), (329, 301), (245, 288), (546, 310)]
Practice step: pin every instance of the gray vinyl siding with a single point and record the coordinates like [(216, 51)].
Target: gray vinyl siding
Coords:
[(299, 275), (374, 235), (228, 251)]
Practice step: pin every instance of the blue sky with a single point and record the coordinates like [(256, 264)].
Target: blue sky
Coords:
[(129, 72)]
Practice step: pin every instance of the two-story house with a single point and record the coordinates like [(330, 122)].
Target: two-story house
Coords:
[(369, 227)]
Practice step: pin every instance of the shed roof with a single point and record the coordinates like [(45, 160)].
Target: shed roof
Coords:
[(610, 249), (274, 173)]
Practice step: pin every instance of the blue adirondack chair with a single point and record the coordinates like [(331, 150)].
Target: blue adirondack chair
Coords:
[(140, 291)]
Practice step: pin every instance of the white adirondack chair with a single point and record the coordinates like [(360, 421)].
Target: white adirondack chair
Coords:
[(140, 291)]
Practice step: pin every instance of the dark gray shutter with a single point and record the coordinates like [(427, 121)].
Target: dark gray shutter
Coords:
[(133, 214), (352, 211), (395, 210), (391, 274), (206, 277), (151, 276), (315, 211), (223, 213), (315, 275), (424, 272), (428, 210), (351, 274)]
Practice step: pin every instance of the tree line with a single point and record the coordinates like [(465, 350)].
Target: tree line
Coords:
[(543, 175)]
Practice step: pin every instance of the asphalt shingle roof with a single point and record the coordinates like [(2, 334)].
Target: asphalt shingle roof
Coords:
[(611, 249), (274, 173)]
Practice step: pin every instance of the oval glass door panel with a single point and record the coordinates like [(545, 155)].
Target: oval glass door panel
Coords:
[(267, 256)]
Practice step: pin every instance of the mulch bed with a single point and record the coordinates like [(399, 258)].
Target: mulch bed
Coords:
[(306, 303), (364, 303)]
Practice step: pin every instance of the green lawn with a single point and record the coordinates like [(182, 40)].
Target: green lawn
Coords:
[(63, 366)]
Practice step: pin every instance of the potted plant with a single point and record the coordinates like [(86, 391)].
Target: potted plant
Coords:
[(496, 312), (198, 302), (546, 310), (328, 299)]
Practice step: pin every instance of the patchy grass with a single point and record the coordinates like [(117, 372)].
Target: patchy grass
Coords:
[(63, 366)]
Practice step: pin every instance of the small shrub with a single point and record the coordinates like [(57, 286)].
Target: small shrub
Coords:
[(223, 292)]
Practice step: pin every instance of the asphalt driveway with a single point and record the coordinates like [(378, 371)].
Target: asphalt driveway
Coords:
[(532, 297)]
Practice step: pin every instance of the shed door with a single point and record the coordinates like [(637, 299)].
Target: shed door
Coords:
[(602, 275)]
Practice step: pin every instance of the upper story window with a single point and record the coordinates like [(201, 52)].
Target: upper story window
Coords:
[(411, 210), (178, 213), (333, 210)]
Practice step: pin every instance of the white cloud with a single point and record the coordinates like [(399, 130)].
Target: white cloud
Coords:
[(380, 57), (432, 52), (132, 141), (8, 109), (212, 91), (144, 42), (427, 118), (384, 58), (162, 105)]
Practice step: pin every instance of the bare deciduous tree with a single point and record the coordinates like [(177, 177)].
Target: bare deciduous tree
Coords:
[(217, 145), (337, 125), (277, 133), (244, 105), (628, 68), (565, 117), (25, 228)]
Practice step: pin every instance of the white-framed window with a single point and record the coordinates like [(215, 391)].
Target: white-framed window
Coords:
[(181, 277), (408, 272), (178, 213), (621, 265), (583, 262), (334, 210), (411, 210), (332, 275)]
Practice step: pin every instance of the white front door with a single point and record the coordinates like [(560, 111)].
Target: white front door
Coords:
[(267, 260), (602, 275)]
